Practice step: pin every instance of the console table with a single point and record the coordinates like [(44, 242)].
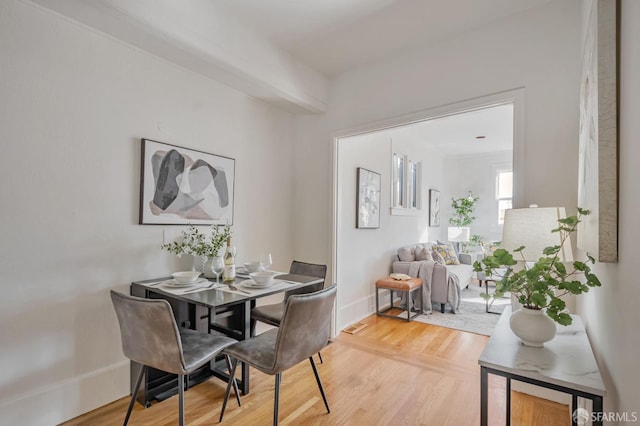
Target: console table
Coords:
[(564, 364)]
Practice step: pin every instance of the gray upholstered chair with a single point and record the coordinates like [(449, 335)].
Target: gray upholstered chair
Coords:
[(303, 331), (150, 337), (272, 314)]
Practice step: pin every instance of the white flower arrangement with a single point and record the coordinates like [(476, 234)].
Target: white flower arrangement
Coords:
[(198, 244)]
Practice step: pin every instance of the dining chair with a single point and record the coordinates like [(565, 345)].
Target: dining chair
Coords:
[(151, 337), (272, 314), (303, 331)]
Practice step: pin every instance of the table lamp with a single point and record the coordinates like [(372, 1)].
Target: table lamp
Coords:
[(458, 234), (531, 227)]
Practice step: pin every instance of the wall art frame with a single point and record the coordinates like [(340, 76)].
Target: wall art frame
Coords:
[(599, 129), (368, 187), (434, 207), (181, 186)]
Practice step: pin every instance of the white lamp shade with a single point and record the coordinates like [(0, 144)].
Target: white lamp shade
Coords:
[(458, 234), (531, 228)]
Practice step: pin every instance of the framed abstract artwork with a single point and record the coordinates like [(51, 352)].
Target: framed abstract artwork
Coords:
[(368, 199), (434, 207), (180, 186), (598, 139)]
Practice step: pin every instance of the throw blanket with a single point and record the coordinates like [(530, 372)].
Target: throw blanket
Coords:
[(424, 270)]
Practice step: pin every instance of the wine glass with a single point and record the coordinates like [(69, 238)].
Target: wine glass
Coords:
[(266, 261), (217, 266)]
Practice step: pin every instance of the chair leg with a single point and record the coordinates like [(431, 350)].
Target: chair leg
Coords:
[(181, 398), (252, 327), (234, 364), (233, 378), (143, 371), (320, 358), (276, 399), (315, 372)]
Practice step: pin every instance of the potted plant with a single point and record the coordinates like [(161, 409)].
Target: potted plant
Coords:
[(202, 247), (463, 210), (461, 218), (539, 286), (474, 244)]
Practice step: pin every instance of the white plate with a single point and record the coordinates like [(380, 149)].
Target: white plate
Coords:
[(175, 284), (252, 284)]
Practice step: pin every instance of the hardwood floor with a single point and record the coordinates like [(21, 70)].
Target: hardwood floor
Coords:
[(391, 372)]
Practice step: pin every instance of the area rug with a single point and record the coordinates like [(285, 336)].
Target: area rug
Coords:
[(471, 316)]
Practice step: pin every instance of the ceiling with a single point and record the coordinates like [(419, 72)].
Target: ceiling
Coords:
[(455, 135), (334, 36), (285, 52)]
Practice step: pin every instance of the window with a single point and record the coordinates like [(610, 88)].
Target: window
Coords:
[(406, 185), (413, 186), (398, 181), (504, 192)]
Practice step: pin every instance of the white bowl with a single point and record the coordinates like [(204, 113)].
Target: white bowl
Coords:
[(263, 277), (253, 266), (186, 277)]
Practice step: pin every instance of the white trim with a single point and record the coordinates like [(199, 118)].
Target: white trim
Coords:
[(82, 393), (403, 211)]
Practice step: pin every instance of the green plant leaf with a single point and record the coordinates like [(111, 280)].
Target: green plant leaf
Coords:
[(550, 251), (584, 212), (538, 299), (562, 270)]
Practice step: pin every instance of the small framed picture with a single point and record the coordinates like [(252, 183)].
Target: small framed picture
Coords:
[(368, 199), (183, 186), (434, 207)]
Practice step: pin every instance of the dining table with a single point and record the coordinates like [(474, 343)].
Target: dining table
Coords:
[(208, 307)]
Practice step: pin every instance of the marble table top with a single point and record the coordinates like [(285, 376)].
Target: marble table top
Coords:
[(567, 360)]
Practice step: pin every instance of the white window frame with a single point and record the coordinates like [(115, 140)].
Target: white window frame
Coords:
[(406, 185), (497, 170)]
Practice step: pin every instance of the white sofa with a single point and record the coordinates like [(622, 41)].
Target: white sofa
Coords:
[(442, 283)]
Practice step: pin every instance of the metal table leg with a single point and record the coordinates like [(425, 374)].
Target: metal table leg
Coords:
[(484, 390)]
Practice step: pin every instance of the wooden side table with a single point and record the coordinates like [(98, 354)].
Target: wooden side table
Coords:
[(403, 286)]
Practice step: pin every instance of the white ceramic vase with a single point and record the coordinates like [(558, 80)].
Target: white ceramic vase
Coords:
[(199, 263), (533, 327)]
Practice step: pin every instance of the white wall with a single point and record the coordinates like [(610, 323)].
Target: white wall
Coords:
[(476, 173), (204, 38), (73, 107), (365, 255), (611, 312), (538, 50)]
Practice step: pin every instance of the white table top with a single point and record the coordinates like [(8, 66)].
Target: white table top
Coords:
[(567, 360)]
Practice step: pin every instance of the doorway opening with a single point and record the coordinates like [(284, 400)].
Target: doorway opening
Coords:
[(449, 150)]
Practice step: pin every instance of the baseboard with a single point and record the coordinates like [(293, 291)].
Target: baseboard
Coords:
[(362, 308), (67, 399), (358, 310)]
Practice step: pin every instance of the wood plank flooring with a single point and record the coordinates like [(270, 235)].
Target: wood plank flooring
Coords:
[(391, 372)]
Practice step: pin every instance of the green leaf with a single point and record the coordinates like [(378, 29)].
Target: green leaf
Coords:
[(539, 299), (593, 281), (584, 212), (580, 266), (560, 268), (550, 251), (564, 319), (557, 304)]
